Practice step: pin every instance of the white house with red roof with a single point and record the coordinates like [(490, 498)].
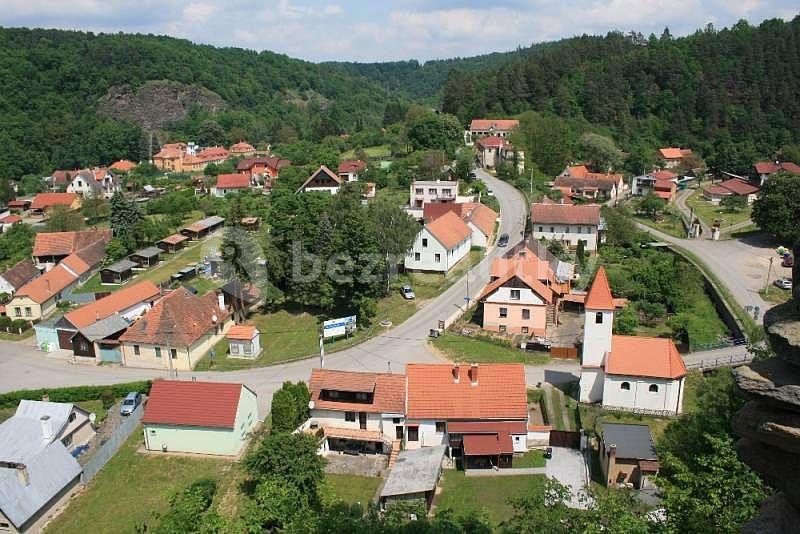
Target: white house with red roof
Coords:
[(498, 127), (440, 245), (640, 374), (736, 186), (566, 223), (324, 180), (351, 169), (765, 169), (197, 417), (230, 183), (480, 218)]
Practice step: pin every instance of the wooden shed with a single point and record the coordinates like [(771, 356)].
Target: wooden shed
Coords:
[(172, 243), (117, 273), (146, 257)]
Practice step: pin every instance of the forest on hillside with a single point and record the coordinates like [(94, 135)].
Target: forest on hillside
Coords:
[(731, 94), (53, 82)]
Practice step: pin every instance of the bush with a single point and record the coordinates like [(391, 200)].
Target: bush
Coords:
[(5, 322), (20, 324), (107, 397), (72, 394)]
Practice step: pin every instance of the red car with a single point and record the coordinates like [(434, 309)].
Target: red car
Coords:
[(788, 261)]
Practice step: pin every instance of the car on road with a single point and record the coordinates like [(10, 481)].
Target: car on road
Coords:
[(473, 174), (490, 192), (130, 403), (407, 293), (502, 241), (783, 283), (788, 261)]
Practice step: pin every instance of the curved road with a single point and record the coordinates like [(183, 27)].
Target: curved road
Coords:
[(23, 367)]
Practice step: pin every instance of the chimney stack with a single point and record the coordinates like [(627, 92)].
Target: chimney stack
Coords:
[(473, 374), (456, 377), (22, 475), (47, 428)]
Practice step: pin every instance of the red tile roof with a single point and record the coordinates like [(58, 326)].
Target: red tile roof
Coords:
[(483, 217), (486, 427), (497, 124), (769, 167), (45, 287), (180, 318), (500, 392), (492, 141), (233, 181), (487, 444), (449, 230), (11, 219), (527, 271), (19, 203), (242, 146), (271, 162), (663, 175), (565, 214), (599, 296), (739, 186), (351, 165), (63, 243), (86, 258), (174, 239), (653, 357), (185, 403), (123, 165), (388, 390), (244, 332), (115, 302), (44, 201), (674, 153)]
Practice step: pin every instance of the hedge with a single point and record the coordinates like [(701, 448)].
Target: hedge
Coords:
[(72, 394)]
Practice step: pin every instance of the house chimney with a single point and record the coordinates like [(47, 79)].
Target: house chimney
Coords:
[(22, 474), (47, 428), (456, 377), (473, 374), (221, 301), (47, 283)]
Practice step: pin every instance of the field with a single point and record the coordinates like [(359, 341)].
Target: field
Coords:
[(131, 487), (708, 212), (353, 489), (468, 349), (463, 494), (372, 152)]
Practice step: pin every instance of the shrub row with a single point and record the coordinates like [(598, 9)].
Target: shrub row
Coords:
[(73, 394)]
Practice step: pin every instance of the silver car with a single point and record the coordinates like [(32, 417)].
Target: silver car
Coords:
[(407, 293), (130, 403), (783, 283)]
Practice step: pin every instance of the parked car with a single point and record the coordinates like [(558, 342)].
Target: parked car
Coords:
[(783, 283), (490, 192), (407, 293), (788, 261), (130, 403), (502, 241), (548, 452)]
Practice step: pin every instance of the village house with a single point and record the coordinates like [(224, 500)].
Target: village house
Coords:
[(38, 475), (579, 181), (733, 187), (765, 169), (203, 158), (214, 418), (95, 183), (480, 218), (43, 203), (180, 157), (428, 191), (672, 157), (491, 127), (123, 165), (662, 183), (230, 183), (244, 341), (350, 170), (324, 180), (357, 411), (641, 374), (17, 276), (170, 157), (20, 205), (59, 180), (9, 221), (440, 244), (495, 150), (567, 223), (177, 331), (242, 149), (628, 456), (262, 169), (50, 248)]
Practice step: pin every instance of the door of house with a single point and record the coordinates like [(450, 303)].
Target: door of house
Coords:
[(362, 420)]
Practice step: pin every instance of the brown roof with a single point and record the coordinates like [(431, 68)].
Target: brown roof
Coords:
[(233, 181), (174, 239), (653, 357), (497, 124), (20, 274), (115, 302), (242, 146), (48, 200), (180, 318), (351, 165), (488, 444), (584, 182), (500, 392), (244, 332), (63, 243), (449, 230), (769, 167), (599, 296), (565, 214), (492, 141), (738, 186), (48, 285), (324, 170), (86, 259), (190, 403), (388, 390), (122, 165)]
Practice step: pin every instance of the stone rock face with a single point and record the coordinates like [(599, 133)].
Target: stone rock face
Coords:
[(769, 423)]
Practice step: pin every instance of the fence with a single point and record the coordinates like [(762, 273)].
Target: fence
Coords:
[(564, 352), (108, 449), (726, 361)]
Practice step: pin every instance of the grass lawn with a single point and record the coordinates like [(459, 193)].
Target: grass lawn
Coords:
[(776, 294), (5, 336), (708, 212), (353, 488), (534, 458), (378, 151), (170, 264), (430, 285), (669, 224), (469, 349), (131, 487), (463, 494)]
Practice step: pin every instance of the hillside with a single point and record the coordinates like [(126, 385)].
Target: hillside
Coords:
[(55, 81)]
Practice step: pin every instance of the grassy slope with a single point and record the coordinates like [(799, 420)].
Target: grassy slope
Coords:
[(466, 349), (708, 212), (352, 488)]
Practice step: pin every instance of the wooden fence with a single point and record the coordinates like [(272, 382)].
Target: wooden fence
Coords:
[(570, 353)]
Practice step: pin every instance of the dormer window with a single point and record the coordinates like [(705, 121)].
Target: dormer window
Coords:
[(515, 294)]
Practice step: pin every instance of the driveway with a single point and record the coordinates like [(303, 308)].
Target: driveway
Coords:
[(568, 467)]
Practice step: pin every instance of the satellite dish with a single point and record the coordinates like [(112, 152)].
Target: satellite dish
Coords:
[(310, 405)]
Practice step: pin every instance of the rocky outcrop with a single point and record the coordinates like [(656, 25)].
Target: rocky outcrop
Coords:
[(769, 423)]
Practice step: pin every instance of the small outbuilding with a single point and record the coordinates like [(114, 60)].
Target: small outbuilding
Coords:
[(204, 227), (172, 243), (117, 273), (146, 257), (199, 417), (414, 477), (243, 341), (628, 455)]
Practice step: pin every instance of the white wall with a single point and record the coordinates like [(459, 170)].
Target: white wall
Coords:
[(5, 287), (520, 442), (667, 398), (427, 260), (591, 384), (428, 437), (596, 337), (568, 233), (477, 238), (526, 296), (431, 191), (331, 190)]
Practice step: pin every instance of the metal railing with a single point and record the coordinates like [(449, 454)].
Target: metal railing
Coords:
[(725, 361)]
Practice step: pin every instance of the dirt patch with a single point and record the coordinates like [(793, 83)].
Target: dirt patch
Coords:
[(366, 465)]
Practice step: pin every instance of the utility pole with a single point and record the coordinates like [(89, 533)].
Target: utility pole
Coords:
[(531, 183), (769, 273), (321, 351)]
